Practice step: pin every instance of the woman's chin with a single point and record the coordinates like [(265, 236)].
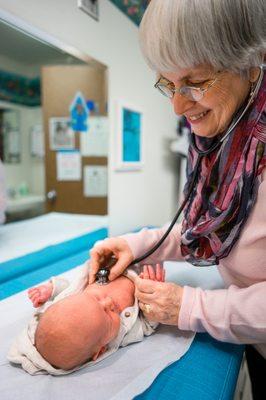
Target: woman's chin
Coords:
[(203, 132)]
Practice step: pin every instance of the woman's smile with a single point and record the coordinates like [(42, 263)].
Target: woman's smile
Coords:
[(197, 117)]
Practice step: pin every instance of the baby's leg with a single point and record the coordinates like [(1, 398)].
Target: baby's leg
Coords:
[(40, 294)]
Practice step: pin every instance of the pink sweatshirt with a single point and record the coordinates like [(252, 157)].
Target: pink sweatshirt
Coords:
[(236, 314)]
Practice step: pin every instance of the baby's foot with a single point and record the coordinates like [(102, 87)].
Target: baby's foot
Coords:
[(40, 294)]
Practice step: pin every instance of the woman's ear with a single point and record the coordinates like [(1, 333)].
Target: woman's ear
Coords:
[(254, 73), (98, 353)]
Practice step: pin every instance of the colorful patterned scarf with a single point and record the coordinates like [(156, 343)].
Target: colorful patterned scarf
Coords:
[(227, 187)]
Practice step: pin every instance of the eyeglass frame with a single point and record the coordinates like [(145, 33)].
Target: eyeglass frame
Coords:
[(178, 90)]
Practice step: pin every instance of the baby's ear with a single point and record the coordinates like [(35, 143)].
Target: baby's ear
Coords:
[(98, 353)]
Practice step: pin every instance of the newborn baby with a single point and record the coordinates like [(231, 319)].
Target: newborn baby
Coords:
[(77, 324)]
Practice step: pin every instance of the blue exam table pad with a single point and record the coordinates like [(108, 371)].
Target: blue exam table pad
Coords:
[(26, 271), (208, 370)]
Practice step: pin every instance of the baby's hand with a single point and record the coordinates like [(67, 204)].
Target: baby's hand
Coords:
[(40, 294), (155, 275)]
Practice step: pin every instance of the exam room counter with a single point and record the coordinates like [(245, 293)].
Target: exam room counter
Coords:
[(208, 371)]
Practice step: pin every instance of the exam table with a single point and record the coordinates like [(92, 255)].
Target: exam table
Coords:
[(209, 370)]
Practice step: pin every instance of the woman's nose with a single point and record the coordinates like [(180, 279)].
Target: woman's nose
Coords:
[(181, 104)]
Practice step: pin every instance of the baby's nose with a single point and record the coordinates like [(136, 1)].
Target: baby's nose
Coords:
[(107, 303)]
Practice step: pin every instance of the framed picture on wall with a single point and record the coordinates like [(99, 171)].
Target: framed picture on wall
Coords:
[(129, 137), (90, 7), (61, 135)]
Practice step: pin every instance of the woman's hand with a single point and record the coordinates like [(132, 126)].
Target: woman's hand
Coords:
[(104, 250), (160, 302), (40, 294)]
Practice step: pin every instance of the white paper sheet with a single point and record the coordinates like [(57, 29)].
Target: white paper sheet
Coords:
[(94, 142), (37, 141), (95, 181), (68, 166)]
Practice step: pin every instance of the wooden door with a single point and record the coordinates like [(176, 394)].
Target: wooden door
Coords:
[(59, 86)]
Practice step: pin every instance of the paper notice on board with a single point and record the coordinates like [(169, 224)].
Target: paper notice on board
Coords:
[(95, 181), (94, 142), (37, 141), (68, 166)]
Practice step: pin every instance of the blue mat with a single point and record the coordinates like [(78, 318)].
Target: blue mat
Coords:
[(23, 272), (208, 371)]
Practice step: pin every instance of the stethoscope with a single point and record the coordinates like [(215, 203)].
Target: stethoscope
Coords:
[(103, 273)]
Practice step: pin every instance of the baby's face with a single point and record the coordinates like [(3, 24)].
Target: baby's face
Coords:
[(108, 302), (106, 315), (121, 290)]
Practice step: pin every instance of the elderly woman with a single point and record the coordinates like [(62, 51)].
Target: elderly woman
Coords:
[(209, 56)]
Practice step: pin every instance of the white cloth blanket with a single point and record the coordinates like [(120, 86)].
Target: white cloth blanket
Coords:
[(123, 375)]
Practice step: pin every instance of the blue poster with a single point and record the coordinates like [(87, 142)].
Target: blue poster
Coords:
[(131, 136), (79, 114)]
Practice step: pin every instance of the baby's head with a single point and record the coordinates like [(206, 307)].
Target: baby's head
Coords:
[(77, 329)]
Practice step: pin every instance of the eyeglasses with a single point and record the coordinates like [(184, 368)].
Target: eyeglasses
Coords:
[(168, 89)]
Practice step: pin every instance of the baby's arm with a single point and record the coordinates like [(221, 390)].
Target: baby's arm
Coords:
[(155, 275), (48, 291), (40, 294)]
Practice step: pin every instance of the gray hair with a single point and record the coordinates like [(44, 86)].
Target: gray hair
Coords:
[(226, 34)]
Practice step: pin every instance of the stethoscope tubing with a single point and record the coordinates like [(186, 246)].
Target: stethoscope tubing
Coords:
[(179, 211)]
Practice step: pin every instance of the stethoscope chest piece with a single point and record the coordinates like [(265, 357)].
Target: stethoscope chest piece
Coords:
[(102, 276)]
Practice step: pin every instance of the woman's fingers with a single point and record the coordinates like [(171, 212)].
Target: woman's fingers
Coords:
[(98, 257), (146, 298), (101, 254), (119, 267), (145, 285)]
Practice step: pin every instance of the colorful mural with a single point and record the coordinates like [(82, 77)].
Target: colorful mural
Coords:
[(134, 9), (19, 89)]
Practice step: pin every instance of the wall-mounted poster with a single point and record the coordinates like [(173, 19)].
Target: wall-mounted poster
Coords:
[(79, 113), (95, 181), (61, 135), (130, 138), (68, 165), (94, 143), (37, 141)]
